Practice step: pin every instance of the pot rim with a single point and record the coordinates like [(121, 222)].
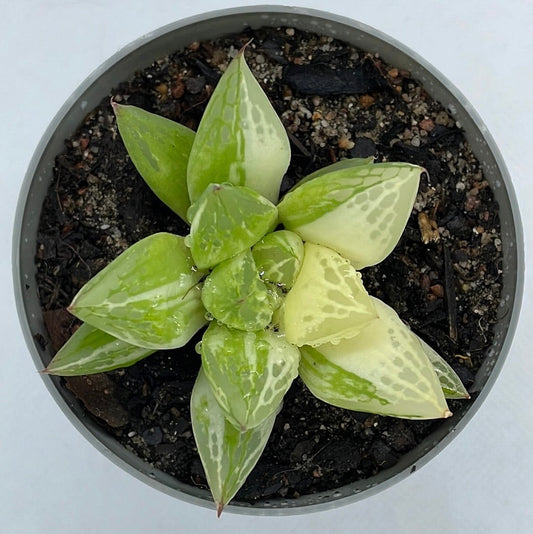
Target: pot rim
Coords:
[(321, 22)]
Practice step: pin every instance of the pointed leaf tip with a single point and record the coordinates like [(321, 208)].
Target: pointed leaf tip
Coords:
[(450, 382), (220, 508), (89, 351), (245, 46)]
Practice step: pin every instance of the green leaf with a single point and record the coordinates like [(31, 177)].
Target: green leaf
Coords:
[(383, 370), (149, 296), (235, 295), (249, 372), (337, 166), (228, 456), (278, 257), (327, 302), (227, 220), (90, 351), (159, 149), (451, 384), (360, 212), (240, 138)]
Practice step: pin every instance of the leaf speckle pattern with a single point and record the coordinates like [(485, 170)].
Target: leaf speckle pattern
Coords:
[(383, 370), (243, 136), (326, 281), (371, 203)]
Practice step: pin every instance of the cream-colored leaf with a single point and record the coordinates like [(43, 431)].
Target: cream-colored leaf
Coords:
[(451, 384), (383, 370), (327, 302), (360, 212)]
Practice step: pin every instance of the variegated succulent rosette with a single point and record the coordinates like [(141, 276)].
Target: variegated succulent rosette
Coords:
[(276, 282)]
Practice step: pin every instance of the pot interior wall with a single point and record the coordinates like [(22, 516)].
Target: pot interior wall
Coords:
[(133, 58)]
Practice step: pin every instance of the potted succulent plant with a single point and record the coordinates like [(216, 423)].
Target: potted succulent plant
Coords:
[(276, 306), (280, 301)]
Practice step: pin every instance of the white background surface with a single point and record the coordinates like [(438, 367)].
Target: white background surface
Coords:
[(52, 480)]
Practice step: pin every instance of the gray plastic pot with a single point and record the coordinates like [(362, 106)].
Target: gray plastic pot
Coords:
[(140, 54)]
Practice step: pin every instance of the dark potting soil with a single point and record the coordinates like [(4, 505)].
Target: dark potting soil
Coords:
[(336, 102)]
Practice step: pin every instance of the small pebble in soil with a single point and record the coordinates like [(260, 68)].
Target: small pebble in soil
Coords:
[(153, 435)]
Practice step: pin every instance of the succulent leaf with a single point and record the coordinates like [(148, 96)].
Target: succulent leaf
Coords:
[(383, 370), (359, 212), (228, 455), (451, 384), (90, 351), (235, 295), (337, 166), (327, 302), (159, 149), (148, 296), (226, 220), (240, 138), (249, 372), (278, 257)]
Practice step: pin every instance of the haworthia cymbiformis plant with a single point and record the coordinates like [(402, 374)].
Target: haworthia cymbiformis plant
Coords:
[(279, 300)]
